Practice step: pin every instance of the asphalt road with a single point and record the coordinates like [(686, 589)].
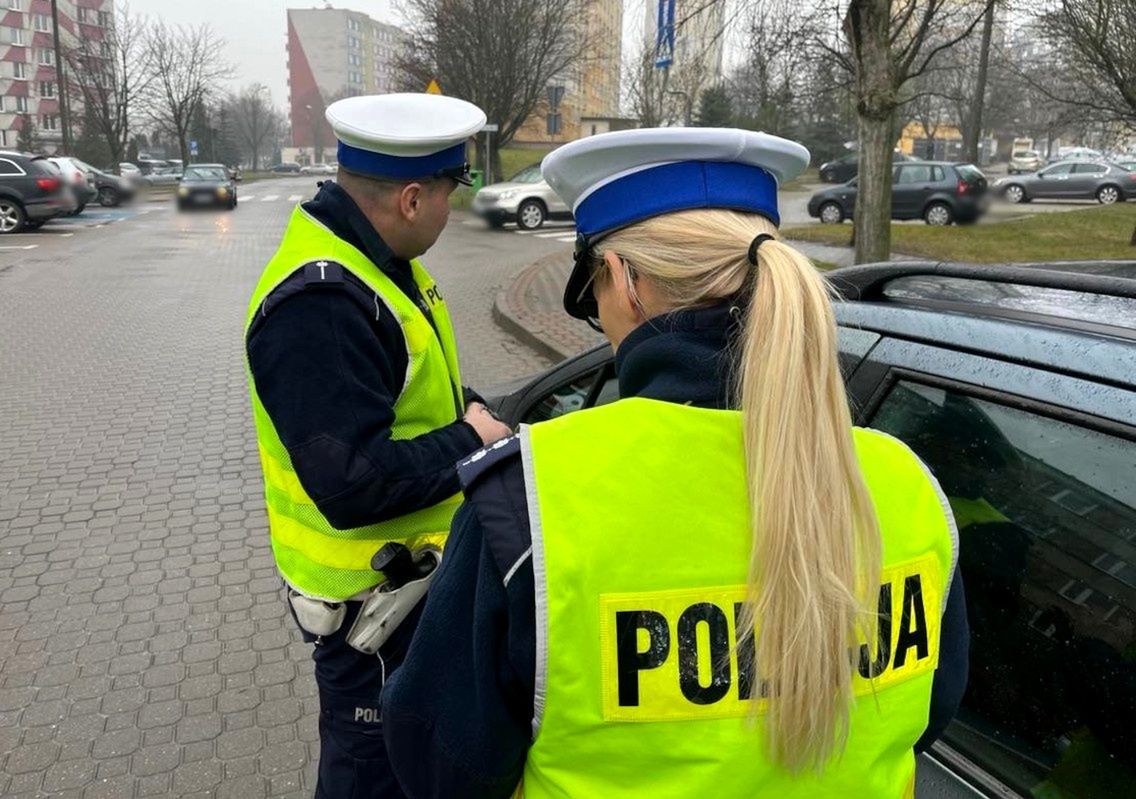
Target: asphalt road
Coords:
[(144, 647)]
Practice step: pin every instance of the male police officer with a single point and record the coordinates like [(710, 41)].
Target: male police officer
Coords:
[(360, 412)]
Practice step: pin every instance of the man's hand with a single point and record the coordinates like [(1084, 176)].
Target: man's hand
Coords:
[(488, 427)]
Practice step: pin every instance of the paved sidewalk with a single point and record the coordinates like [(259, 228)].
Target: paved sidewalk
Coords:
[(531, 306)]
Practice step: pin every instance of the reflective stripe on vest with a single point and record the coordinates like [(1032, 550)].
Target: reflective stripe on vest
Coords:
[(641, 546), (314, 557)]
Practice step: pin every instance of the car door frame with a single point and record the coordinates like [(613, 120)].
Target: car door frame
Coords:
[(893, 360), (1051, 187), (907, 199), (1083, 185)]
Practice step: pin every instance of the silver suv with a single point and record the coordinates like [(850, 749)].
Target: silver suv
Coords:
[(525, 199)]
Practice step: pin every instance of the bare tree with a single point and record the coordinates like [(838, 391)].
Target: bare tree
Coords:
[(188, 65), (888, 43), (499, 54), (253, 121), (111, 76)]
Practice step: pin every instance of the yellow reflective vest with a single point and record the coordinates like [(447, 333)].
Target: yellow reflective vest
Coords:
[(640, 551), (315, 558)]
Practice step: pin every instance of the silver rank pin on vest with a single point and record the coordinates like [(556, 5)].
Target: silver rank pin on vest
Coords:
[(408, 577)]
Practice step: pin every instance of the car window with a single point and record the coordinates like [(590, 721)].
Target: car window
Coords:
[(1046, 511), (920, 173), (530, 174), (937, 174), (1089, 169), (574, 395), (9, 167), (1058, 169), (205, 173)]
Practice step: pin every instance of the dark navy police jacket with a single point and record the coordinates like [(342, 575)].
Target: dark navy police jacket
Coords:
[(457, 715), (329, 372)]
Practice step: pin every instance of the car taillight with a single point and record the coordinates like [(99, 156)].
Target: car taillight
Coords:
[(48, 184), (963, 188)]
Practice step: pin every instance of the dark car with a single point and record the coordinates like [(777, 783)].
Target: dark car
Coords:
[(111, 190), (935, 191), (32, 191), (286, 167), (206, 186), (1016, 385), (1071, 180), (846, 167)]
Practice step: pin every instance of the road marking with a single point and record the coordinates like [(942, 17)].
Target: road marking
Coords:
[(552, 235), (270, 198), (250, 198), (567, 239), (19, 247), (295, 198), (66, 235), (472, 222)]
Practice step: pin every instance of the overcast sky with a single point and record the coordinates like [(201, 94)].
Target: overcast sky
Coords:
[(257, 30)]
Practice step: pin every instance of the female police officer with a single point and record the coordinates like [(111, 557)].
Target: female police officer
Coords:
[(663, 597)]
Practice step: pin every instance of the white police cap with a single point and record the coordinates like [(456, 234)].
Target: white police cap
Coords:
[(614, 180), (405, 136)]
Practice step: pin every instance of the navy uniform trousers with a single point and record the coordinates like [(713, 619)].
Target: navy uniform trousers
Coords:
[(353, 760)]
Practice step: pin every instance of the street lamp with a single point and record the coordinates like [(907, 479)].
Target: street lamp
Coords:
[(317, 149)]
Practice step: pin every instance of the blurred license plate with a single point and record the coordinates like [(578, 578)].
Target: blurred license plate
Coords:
[(203, 198)]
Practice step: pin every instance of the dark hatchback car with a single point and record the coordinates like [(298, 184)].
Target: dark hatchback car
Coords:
[(32, 191), (935, 191), (206, 186), (1017, 386), (846, 167)]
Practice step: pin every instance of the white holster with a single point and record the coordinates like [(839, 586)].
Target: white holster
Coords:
[(385, 608)]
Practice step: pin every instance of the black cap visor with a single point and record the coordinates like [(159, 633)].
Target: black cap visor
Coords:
[(459, 173)]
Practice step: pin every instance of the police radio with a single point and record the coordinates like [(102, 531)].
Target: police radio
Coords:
[(408, 576)]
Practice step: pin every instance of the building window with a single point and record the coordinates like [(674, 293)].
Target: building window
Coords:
[(81, 14), (22, 105), (46, 88), (16, 5), (46, 56), (17, 35), (4, 138), (2, 104), (104, 19), (105, 49), (352, 24), (49, 121), (42, 22), (19, 69), (353, 42)]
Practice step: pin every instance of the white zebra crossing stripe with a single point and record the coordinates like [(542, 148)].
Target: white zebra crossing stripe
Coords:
[(247, 199), (567, 239), (553, 235), (295, 198), (269, 198)]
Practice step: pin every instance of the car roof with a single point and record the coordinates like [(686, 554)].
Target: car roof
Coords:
[(1080, 315), (221, 166)]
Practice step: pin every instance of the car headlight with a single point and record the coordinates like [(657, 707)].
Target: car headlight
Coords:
[(183, 191), (222, 191), (507, 195)]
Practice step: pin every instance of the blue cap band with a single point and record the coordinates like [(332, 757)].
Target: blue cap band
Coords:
[(678, 187), (399, 167)]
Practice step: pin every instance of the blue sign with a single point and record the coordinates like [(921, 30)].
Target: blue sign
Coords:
[(665, 37), (193, 146)]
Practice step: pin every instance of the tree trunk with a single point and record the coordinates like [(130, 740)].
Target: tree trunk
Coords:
[(973, 130), (868, 27), (1133, 241), (872, 217)]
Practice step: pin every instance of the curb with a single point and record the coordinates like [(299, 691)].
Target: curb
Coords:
[(508, 310)]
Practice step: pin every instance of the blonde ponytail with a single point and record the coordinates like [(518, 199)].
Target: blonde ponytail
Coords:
[(815, 558)]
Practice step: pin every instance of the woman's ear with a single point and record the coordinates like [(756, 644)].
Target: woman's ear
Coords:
[(620, 284)]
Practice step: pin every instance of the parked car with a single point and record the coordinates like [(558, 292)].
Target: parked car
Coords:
[(129, 170), (163, 176), (1016, 385), (78, 181), (318, 169), (1025, 161), (285, 166), (1127, 163), (524, 198), (935, 191), (846, 167), (206, 186), (149, 166), (1071, 180), (110, 190), (32, 191), (1076, 154)]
